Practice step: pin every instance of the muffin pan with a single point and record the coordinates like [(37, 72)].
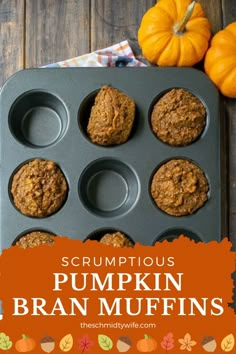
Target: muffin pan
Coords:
[(44, 114)]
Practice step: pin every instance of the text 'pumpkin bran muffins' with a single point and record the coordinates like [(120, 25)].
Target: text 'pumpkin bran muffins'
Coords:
[(178, 118), (39, 188), (112, 117), (179, 187)]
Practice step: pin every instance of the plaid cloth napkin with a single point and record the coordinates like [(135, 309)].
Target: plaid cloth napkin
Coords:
[(117, 55)]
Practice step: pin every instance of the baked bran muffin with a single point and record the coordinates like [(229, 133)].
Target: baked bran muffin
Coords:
[(179, 187), (178, 118), (111, 118), (39, 188), (117, 240), (35, 238)]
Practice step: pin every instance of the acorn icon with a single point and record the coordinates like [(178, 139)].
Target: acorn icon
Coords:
[(47, 344), (123, 344), (209, 344)]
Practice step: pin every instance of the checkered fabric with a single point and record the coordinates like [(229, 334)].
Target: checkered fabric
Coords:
[(117, 55)]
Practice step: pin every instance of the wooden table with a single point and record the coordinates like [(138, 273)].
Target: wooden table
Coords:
[(38, 32)]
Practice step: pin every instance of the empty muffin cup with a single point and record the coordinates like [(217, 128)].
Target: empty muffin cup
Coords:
[(38, 119), (108, 187)]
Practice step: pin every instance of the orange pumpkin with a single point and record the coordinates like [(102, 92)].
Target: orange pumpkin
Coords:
[(25, 344), (220, 61), (146, 344), (174, 33)]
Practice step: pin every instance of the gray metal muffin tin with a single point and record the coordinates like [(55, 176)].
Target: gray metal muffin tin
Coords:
[(44, 113)]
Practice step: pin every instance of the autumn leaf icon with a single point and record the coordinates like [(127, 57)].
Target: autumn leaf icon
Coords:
[(168, 342), (66, 343), (105, 342), (85, 344), (187, 343), (227, 343), (5, 342)]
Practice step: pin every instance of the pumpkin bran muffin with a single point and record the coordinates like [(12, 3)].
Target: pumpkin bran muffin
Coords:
[(35, 238), (179, 187), (39, 188), (116, 239), (178, 118), (111, 118)]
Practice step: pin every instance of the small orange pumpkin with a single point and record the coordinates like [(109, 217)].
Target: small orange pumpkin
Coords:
[(146, 344), (174, 33), (25, 344), (220, 60)]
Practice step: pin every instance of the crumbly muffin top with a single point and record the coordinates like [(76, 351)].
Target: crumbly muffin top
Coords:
[(111, 118), (39, 188), (116, 239), (35, 238), (179, 187), (178, 118)]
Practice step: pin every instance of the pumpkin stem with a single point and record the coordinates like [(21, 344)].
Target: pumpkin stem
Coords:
[(24, 336), (146, 336), (180, 26)]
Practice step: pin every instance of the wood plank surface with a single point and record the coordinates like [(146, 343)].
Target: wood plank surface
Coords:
[(229, 11), (56, 30), (213, 10), (229, 15), (231, 117), (11, 38), (112, 22)]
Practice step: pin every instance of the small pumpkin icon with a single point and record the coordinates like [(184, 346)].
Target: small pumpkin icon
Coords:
[(25, 344), (146, 344)]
